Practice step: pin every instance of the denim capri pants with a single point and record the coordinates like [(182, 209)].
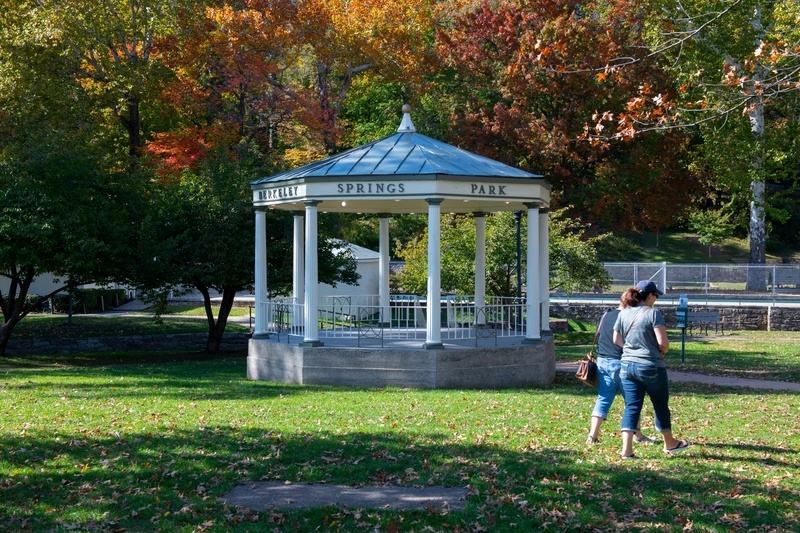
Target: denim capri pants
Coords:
[(608, 384), (640, 379)]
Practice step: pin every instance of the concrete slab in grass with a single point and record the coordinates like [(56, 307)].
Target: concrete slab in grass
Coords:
[(262, 496)]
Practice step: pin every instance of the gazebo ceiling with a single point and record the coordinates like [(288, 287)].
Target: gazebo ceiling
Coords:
[(397, 174)]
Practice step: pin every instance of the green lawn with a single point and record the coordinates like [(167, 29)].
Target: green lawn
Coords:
[(55, 326), (153, 448), (745, 354), (199, 310), (684, 247)]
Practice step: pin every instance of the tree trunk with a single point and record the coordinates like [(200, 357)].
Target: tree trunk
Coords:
[(216, 328), (16, 314), (132, 124), (756, 281), (5, 334), (14, 309)]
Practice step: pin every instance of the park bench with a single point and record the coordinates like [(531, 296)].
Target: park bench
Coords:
[(704, 319), (787, 279)]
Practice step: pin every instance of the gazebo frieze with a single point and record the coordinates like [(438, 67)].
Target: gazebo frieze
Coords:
[(352, 195)]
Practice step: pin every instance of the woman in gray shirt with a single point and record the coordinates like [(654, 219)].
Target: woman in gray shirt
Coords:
[(608, 364), (641, 332)]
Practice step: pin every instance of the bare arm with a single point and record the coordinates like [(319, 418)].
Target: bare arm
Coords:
[(661, 338), (618, 339)]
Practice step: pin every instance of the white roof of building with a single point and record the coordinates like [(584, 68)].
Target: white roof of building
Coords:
[(359, 252)]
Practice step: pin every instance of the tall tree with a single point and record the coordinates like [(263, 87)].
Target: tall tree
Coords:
[(105, 45), (62, 211), (738, 66), (199, 235), (311, 51), (521, 98)]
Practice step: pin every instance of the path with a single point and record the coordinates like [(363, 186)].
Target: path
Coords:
[(261, 496), (709, 380)]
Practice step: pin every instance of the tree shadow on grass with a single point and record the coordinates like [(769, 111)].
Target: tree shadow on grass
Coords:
[(174, 479)]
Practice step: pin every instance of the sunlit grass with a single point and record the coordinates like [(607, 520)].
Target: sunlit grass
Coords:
[(199, 310), (154, 447), (772, 355)]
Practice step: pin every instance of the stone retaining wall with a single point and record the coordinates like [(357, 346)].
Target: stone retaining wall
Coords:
[(733, 318), (178, 341)]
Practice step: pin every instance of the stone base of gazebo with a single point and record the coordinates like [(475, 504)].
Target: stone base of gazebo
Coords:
[(483, 367)]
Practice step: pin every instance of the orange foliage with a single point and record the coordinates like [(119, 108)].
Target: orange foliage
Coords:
[(262, 69)]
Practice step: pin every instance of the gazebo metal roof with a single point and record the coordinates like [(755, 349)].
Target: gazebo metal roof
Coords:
[(406, 154), (397, 174)]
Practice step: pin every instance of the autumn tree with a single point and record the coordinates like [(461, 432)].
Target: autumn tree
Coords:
[(231, 120), (522, 98), (105, 45), (737, 64), (311, 51)]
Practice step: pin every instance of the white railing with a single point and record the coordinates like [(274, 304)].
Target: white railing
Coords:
[(362, 317)]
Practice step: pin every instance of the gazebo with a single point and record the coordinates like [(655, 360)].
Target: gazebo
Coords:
[(487, 342)]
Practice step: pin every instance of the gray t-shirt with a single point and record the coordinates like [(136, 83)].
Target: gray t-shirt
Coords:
[(605, 337), (641, 345)]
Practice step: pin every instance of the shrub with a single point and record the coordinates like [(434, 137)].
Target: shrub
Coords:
[(30, 299)]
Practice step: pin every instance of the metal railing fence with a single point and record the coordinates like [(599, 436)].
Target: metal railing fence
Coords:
[(362, 317), (773, 279)]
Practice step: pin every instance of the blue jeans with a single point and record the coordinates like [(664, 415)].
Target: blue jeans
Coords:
[(638, 379), (608, 385)]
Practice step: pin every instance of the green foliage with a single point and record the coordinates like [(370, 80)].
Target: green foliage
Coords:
[(198, 234), (63, 208), (711, 226), (574, 265), (372, 109), (573, 259), (458, 257), (108, 48)]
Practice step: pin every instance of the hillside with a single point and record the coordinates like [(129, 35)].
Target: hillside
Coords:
[(682, 247)]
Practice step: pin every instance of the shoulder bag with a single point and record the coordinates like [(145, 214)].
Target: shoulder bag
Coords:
[(587, 370)]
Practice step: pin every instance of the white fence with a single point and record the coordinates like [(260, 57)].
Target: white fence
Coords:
[(783, 278), (362, 317)]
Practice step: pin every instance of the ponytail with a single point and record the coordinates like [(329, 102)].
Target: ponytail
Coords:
[(633, 297)]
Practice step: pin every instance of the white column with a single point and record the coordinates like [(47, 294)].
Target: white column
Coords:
[(298, 270), (383, 275), (534, 322), (434, 333), (311, 335), (480, 267), (261, 275), (544, 267)]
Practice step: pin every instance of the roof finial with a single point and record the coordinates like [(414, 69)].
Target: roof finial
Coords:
[(406, 125)]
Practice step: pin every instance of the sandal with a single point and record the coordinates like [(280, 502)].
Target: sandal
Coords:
[(643, 439), (631, 456), (592, 440), (682, 445)]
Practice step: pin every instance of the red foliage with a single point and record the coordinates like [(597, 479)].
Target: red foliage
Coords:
[(536, 80)]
